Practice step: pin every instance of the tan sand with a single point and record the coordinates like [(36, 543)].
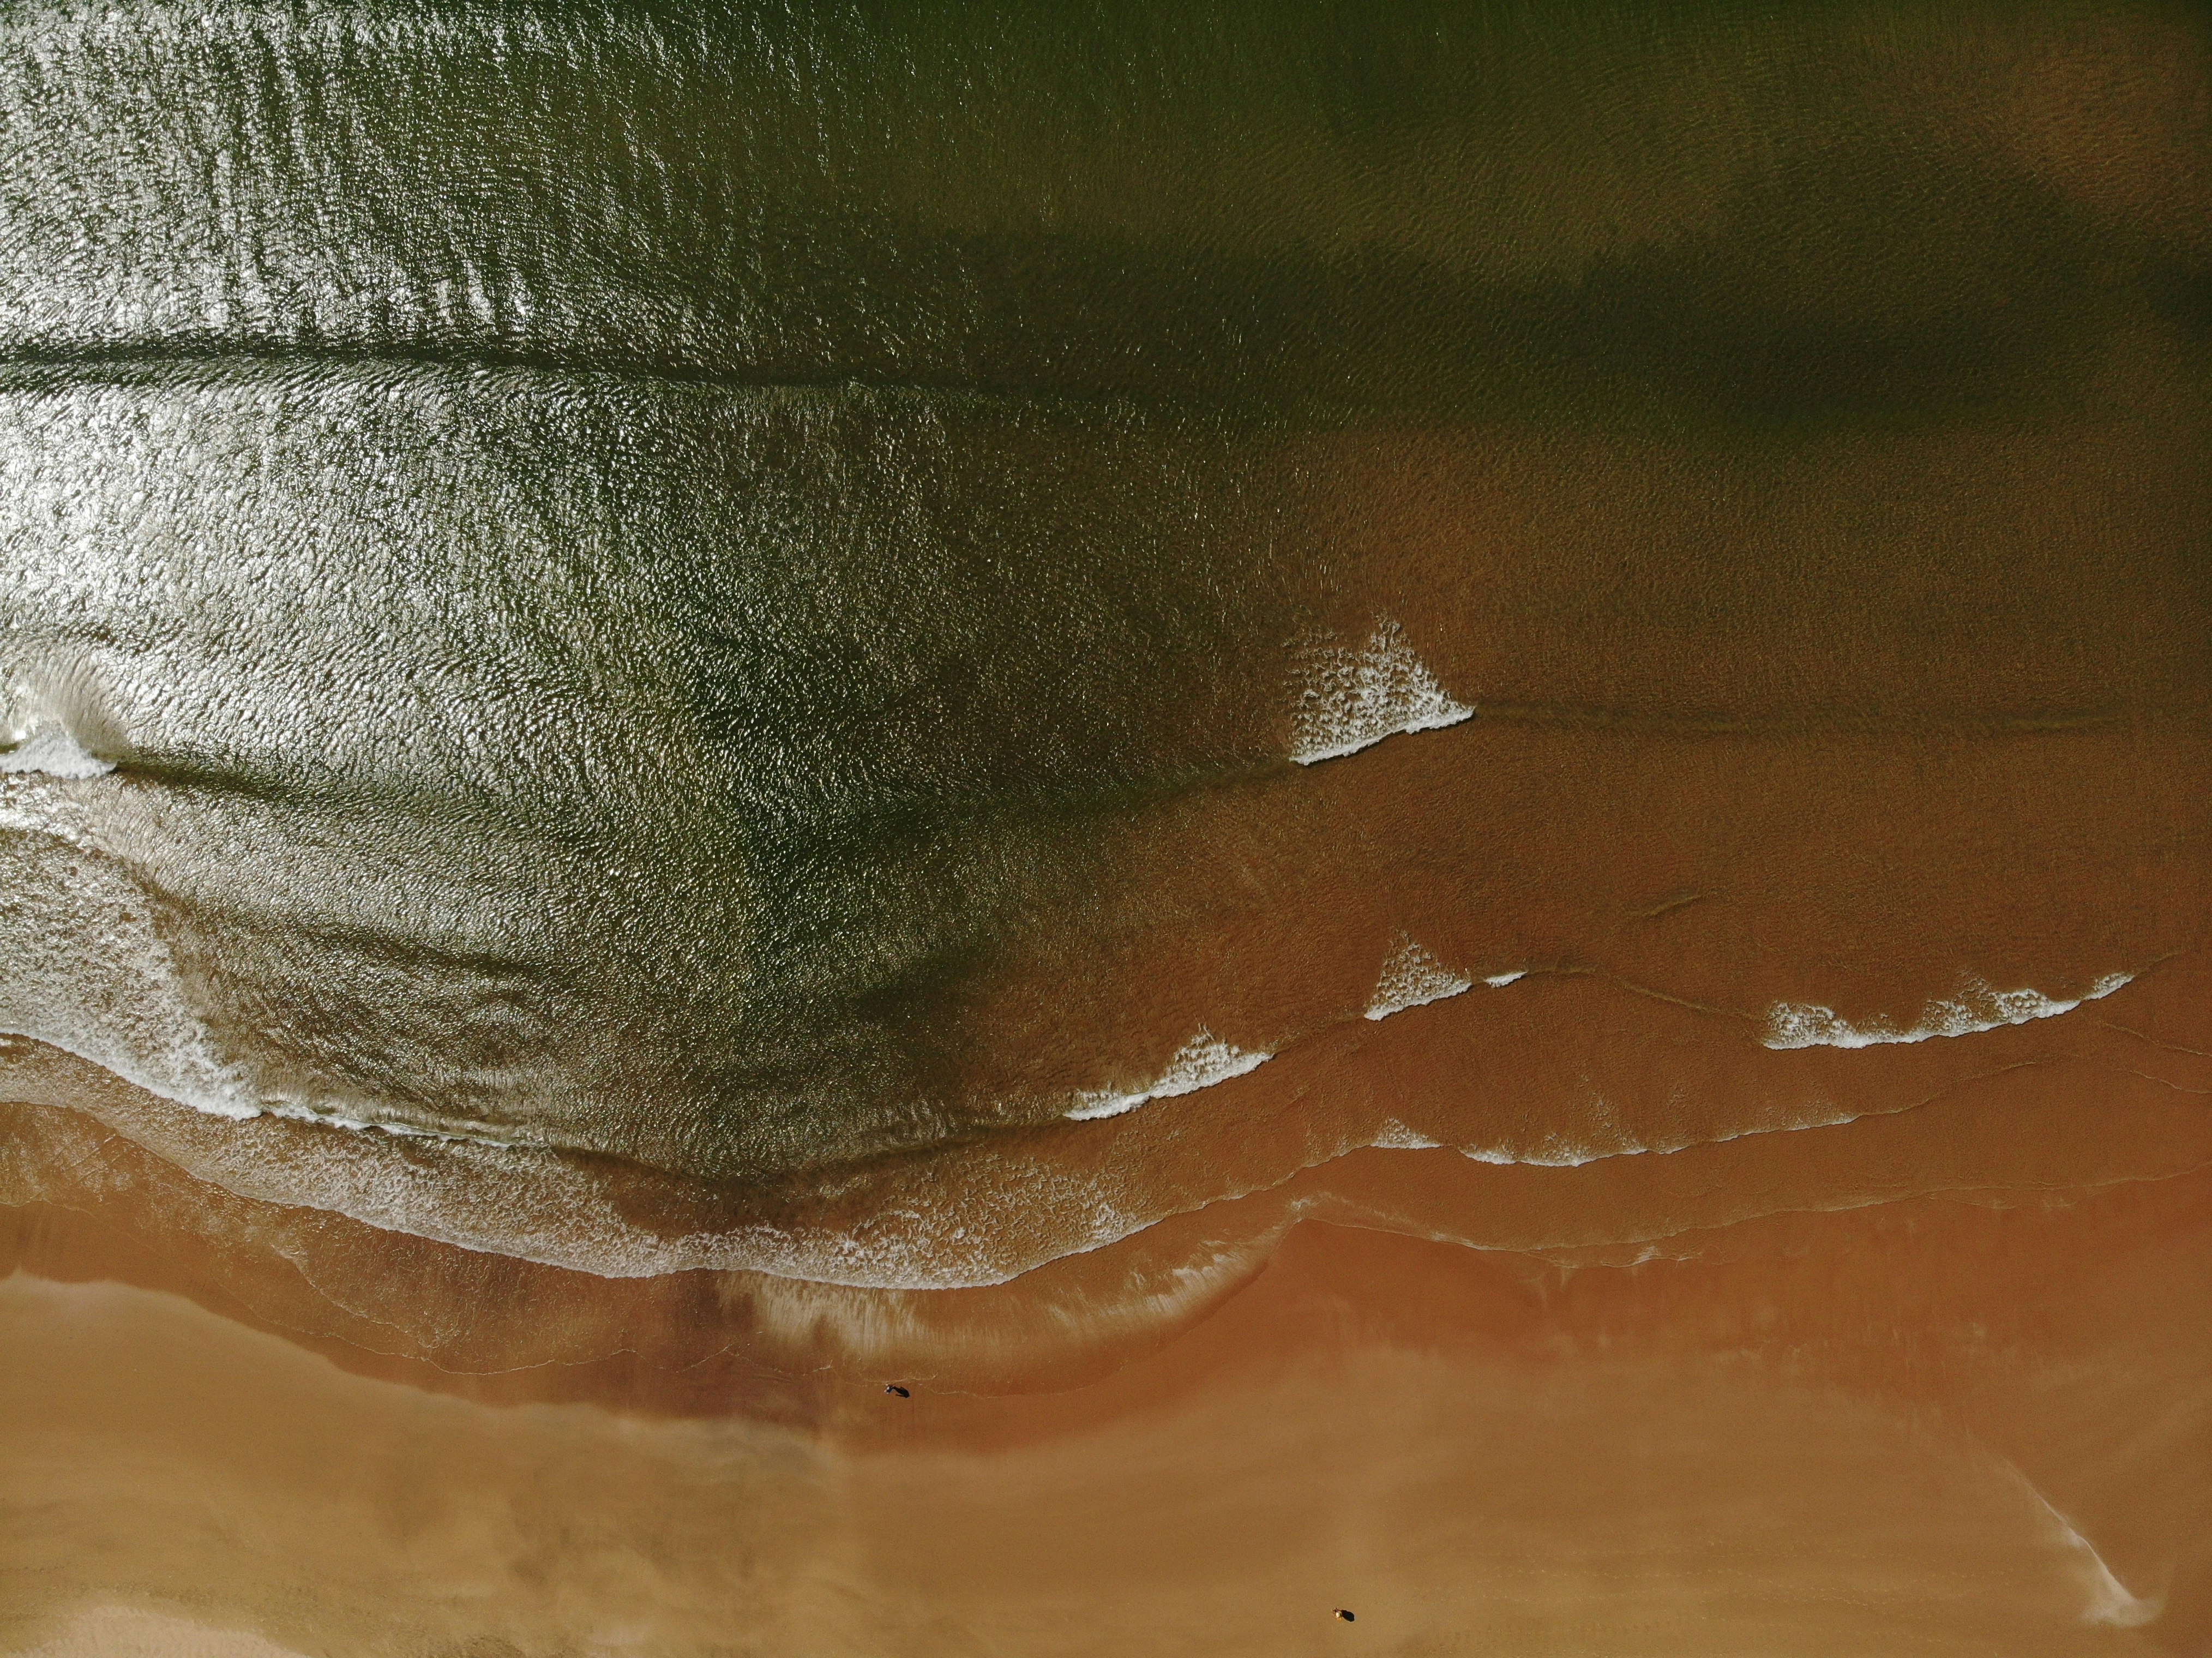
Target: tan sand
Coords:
[(1841, 1433)]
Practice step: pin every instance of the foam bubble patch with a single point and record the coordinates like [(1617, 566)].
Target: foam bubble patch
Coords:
[(1349, 700), (1410, 978), (1976, 1008), (53, 751), (1200, 1062)]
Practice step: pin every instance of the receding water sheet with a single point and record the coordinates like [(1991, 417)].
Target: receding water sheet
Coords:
[(890, 831)]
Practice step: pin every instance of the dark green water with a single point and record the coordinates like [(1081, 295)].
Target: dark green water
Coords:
[(622, 559)]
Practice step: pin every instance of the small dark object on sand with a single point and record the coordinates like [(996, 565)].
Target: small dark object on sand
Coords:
[(893, 1388), (1344, 1615)]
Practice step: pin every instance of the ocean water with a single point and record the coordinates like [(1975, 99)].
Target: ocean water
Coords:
[(699, 696)]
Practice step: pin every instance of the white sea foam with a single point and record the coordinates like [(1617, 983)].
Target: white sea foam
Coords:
[(1200, 1062), (87, 971), (1396, 1136), (1554, 1150), (121, 1004), (536, 1204), (1499, 980), (1349, 699), (1411, 978), (1976, 1008), (2110, 1602), (51, 751)]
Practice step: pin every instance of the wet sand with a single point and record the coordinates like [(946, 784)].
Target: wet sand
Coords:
[(1830, 1432), (1930, 1379)]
